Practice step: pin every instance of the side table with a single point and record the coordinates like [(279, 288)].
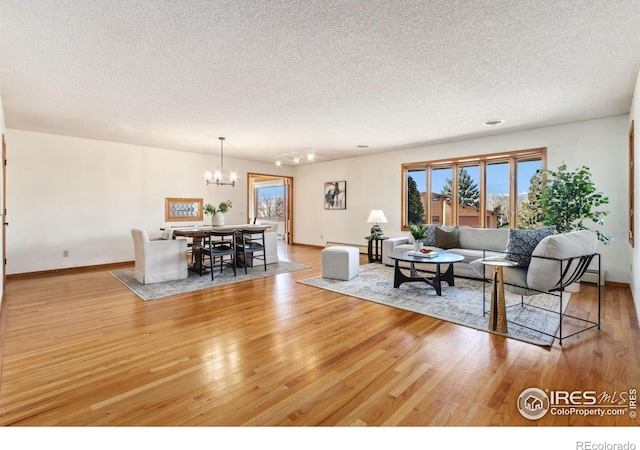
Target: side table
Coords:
[(374, 251), (498, 310)]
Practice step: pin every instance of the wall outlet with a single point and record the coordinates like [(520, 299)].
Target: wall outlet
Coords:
[(65, 253)]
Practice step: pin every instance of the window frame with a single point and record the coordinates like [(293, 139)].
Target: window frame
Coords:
[(511, 157)]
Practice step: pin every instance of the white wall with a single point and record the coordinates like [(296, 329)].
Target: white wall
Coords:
[(84, 196), (374, 182), (635, 251)]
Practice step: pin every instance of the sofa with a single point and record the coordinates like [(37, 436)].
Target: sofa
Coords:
[(471, 243), (546, 263)]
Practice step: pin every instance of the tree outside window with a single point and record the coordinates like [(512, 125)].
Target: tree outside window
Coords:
[(415, 208), (270, 202)]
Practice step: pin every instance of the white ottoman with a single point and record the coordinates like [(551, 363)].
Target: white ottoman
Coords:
[(340, 262)]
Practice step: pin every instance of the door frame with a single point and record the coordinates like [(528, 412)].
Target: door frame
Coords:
[(632, 186), (287, 234)]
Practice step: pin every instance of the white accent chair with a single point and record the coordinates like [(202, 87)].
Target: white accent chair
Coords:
[(159, 260)]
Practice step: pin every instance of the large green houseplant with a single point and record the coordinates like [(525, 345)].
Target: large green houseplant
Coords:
[(569, 198)]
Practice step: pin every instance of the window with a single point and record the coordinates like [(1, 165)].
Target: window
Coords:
[(490, 191), (529, 213), (440, 206), (469, 196), (416, 187), (270, 202), (497, 199)]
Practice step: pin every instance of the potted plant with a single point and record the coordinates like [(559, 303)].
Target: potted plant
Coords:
[(217, 214), (419, 232), (568, 198)]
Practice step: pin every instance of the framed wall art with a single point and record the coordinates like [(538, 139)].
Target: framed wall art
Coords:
[(182, 209), (335, 195)]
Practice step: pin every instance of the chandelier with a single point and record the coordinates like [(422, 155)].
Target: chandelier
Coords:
[(216, 177)]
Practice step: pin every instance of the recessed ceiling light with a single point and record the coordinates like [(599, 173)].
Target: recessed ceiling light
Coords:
[(493, 123), (363, 146)]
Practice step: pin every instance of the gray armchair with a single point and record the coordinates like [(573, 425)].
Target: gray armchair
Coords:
[(557, 264)]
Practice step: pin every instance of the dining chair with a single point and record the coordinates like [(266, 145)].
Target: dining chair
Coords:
[(220, 249), (252, 242)]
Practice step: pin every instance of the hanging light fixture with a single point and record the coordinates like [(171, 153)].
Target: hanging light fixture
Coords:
[(217, 175)]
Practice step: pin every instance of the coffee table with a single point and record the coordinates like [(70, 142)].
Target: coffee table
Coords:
[(436, 281)]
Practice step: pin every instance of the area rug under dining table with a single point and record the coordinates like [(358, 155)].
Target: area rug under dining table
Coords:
[(196, 282), (460, 304)]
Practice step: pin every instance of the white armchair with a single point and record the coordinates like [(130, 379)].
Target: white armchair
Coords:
[(159, 260)]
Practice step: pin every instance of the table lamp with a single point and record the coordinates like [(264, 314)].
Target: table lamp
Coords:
[(376, 217)]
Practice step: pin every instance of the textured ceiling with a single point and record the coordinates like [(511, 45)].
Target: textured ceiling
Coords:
[(280, 76)]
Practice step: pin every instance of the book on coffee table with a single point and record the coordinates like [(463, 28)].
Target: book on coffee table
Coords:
[(424, 255)]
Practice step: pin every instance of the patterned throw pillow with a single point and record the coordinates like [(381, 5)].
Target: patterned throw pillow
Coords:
[(447, 238), (430, 240), (521, 243)]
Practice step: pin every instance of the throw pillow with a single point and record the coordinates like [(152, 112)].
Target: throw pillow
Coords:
[(430, 240), (447, 238), (521, 243)]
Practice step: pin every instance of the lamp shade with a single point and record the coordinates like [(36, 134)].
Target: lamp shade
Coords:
[(376, 216)]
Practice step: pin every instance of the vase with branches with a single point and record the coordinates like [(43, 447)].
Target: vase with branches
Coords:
[(217, 213)]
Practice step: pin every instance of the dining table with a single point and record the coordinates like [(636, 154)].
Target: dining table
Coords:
[(198, 233)]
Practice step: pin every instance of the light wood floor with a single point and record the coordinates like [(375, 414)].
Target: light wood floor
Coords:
[(81, 349)]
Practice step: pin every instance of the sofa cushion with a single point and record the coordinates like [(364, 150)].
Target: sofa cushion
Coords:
[(544, 273), (483, 238), (521, 243), (447, 238), (470, 254)]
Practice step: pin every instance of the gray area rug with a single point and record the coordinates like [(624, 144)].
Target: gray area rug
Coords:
[(195, 282), (460, 304)]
